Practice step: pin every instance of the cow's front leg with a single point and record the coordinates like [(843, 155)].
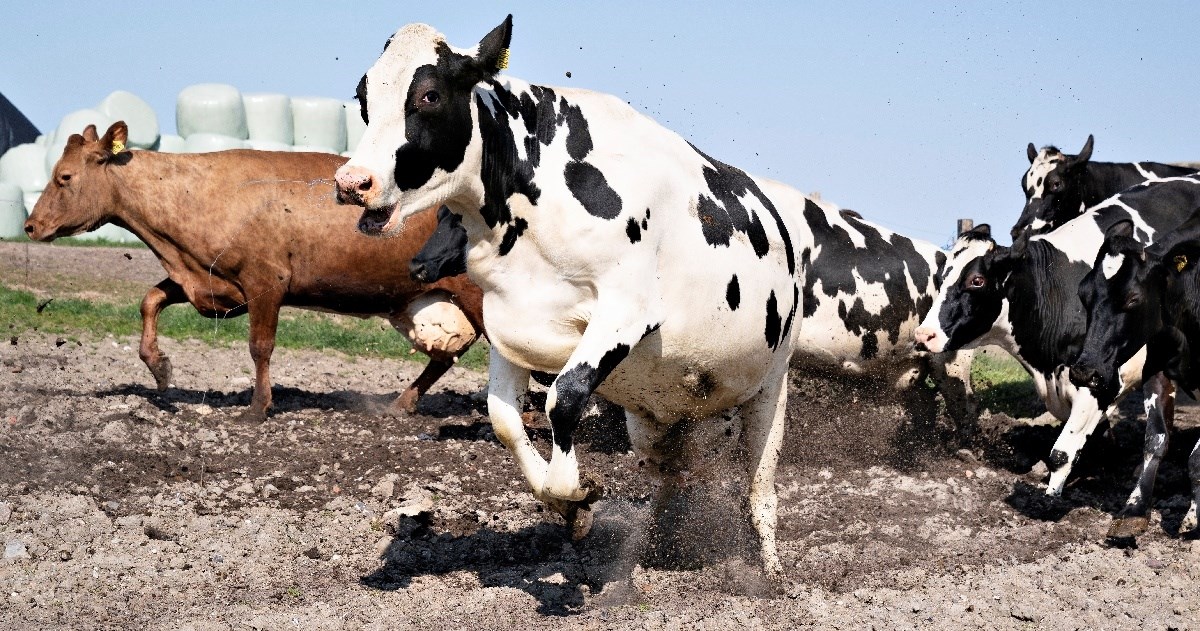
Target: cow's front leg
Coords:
[(1134, 518), (763, 421), (264, 320), (1085, 415), (166, 293), (606, 342), (507, 382), (1191, 521)]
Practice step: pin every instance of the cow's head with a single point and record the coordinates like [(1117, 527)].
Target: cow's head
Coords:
[(1053, 188), (972, 294), (421, 147), (1130, 294), (80, 196), (444, 253)]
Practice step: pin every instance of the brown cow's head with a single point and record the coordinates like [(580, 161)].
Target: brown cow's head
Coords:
[(80, 196)]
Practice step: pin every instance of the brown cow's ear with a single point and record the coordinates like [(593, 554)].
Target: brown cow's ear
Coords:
[(89, 133), (113, 142)]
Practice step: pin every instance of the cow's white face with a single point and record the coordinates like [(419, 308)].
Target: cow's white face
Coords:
[(420, 147), (1038, 180), (969, 302)]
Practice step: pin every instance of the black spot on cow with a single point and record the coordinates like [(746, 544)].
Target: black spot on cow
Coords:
[(787, 324), (574, 387), (870, 345), (503, 172), (720, 220), (774, 322), (646, 220), (361, 94), (733, 294), (889, 262), (633, 231), (514, 230), (579, 137), (810, 298), (437, 133), (940, 259), (591, 189)]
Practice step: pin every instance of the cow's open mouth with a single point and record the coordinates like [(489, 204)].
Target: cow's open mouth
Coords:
[(374, 219)]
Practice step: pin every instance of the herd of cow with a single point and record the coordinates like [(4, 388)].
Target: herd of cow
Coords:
[(591, 244)]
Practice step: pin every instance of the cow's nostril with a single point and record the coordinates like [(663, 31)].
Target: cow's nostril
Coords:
[(366, 184), (28, 229)]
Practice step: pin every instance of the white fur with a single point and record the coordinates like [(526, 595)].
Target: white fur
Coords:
[(961, 255), (1035, 177), (1111, 265)]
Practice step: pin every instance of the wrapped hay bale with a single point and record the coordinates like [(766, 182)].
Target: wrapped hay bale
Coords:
[(137, 114), (12, 210), (73, 123), (319, 122), (435, 325), (211, 108), (354, 125), (25, 166), (170, 143), (267, 145), (269, 118), (205, 143), (312, 149)]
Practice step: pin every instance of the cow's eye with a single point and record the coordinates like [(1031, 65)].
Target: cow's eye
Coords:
[(1055, 186), (431, 97), (1132, 301), (63, 178), (976, 281)]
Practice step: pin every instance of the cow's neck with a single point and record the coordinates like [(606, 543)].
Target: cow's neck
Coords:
[(157, 197), (1047, 318), (1105, 179)]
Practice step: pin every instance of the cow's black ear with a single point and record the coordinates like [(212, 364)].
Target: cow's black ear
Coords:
[(493, 48), (1085, 154), (1123, 228), (1031, 151), (982, 232), (1021, 243)]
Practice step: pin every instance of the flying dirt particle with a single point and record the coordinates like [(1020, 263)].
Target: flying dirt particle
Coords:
[(58, 341), (13, 340), (128, 256), (568, 74), (43, 304)]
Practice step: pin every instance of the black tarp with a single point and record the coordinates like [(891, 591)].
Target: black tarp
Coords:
[(15, 129)]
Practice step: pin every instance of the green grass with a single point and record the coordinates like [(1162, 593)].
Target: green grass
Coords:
[(1003, 385), (297, 329), (76, 242)]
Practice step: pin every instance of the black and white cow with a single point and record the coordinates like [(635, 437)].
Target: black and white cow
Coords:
[(1025, 300), (610, 251), (1145, 299), (866, 290), (1059, 187)]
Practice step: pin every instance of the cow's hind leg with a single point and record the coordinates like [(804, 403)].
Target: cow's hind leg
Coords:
[(407, 401), (264, 320), (1134, 517), (1191, 521), (166, 293), (763, 420)]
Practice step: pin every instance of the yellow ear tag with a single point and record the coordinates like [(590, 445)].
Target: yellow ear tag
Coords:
[(1180, 263), (118, 147), (502, 63)]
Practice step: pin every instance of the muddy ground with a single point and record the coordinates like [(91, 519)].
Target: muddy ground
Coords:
[(124, 507)]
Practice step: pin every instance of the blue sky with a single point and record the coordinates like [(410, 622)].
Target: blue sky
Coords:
[(913, 113)]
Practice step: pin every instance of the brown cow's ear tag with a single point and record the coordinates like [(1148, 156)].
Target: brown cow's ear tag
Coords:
[(117, 147), (1180, 263)]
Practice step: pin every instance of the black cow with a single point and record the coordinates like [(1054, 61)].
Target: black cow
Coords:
[(1058, 187), (1145, 300), (444, 253), (1025, 299)]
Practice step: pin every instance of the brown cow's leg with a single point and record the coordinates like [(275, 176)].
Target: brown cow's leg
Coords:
[(407, 401), (264, 319), (161, 296)]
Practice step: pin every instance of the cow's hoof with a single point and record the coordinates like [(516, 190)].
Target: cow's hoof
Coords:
[(406, 403), (579, 520), (1127, 527), (253, 414), (162, 373)]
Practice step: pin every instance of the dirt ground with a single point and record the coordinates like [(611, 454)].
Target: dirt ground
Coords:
[(124, 507)]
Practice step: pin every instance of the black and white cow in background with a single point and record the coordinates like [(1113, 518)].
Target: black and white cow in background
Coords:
[(866, 290), (609, 250), (1025, 300), (1145, 297), (1059, 187)]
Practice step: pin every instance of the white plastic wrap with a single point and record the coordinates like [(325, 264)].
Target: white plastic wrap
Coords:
[(211, 108), (137, 114), (73, 123), (12, 211), (205, 143), (170, 143), (312, 149), (319, 122), (267, 145), (354, 125), (25, 166), (269, 118)]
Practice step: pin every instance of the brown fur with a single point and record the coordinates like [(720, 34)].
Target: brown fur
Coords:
[(242, 232)]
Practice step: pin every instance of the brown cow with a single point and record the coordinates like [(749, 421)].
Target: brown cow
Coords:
[(248, 232)]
